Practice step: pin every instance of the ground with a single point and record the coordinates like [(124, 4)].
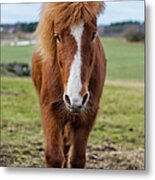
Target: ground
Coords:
[(117, 139)]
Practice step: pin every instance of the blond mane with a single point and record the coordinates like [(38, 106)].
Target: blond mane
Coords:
[(64, 14)]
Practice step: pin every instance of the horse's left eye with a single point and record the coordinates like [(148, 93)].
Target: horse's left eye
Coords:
[(93, 36), (58, 37)]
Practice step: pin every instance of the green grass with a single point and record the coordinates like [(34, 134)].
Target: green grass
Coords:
[(121, 116), (22, 54), (120, 119), (16, 96), (20, 118), (125, 59)]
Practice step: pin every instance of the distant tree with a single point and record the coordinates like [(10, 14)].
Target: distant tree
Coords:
[(125, 23), (26, 27), (135, 36)]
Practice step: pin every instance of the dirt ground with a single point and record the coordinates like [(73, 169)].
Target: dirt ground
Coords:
[(98, 157), (112, 158)]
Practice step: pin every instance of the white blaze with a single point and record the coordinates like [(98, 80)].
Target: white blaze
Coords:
[(74, 83)]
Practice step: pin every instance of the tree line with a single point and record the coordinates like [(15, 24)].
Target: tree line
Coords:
[(129, 29)]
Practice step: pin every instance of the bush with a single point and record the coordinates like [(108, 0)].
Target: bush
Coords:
[(135, 36)]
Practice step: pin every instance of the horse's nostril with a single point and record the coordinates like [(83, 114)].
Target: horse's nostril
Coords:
[(85, 98), (67, 99)]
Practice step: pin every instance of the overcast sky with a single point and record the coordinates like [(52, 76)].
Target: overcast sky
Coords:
[(115, 12)]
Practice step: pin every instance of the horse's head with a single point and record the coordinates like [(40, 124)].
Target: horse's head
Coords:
[(68, 30), (75, 47)]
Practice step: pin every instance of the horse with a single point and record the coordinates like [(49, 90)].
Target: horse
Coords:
[(68, 72)]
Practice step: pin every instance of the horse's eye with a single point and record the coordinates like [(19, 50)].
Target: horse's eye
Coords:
[(58, 37), (93, 36)]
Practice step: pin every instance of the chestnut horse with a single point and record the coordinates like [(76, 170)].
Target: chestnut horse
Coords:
[(68, 71)]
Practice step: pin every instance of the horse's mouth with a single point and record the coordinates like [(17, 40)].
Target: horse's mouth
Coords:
[(74, 111)]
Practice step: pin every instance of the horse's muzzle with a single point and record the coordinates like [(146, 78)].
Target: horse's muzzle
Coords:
[(73, 106)]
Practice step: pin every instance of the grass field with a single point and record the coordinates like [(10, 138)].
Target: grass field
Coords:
[(117, 140), (17, 54), (125, 60)]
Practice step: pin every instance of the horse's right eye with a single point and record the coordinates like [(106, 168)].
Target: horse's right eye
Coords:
[(58, 37), (93, 36)]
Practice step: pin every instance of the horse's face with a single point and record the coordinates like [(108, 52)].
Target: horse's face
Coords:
[(75, 47)]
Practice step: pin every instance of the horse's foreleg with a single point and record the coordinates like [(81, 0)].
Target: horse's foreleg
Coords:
[(53, 142), (67, 135), (53, 149), (77, 156)]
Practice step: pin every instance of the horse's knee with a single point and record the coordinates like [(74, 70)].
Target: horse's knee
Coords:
[(55, 161)]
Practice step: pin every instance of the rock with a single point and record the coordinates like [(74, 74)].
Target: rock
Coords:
[(19, 69)]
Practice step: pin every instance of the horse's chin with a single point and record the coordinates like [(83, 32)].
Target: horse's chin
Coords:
[(74, 112)]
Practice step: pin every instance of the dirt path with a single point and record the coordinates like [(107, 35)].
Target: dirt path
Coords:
[(111, 158), (97, 157)]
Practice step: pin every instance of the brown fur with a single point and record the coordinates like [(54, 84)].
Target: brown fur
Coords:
[(66, 134)]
